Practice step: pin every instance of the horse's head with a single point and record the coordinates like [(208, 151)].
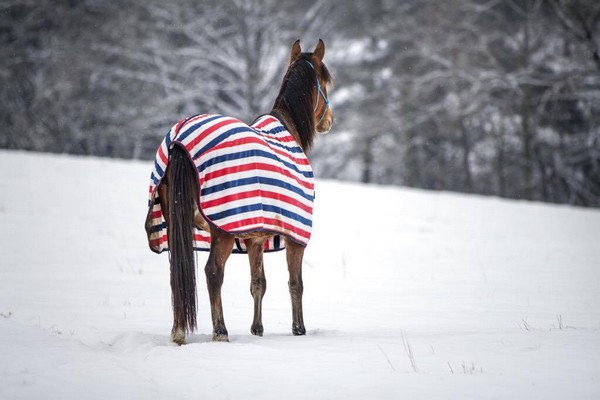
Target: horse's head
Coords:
[(323, 116)]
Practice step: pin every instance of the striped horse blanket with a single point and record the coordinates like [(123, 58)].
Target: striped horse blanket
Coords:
[(251, 179)]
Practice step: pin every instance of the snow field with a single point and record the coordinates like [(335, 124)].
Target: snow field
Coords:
[(407, 294)]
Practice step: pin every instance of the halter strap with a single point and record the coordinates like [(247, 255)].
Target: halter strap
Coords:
[(320, 92)]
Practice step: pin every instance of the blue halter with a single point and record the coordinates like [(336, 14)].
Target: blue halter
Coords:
[(321, 93)]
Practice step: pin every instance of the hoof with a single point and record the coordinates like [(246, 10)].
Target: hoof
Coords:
[(257, 330), (178, 336), (220, 338), (298, 330), (220, 335)]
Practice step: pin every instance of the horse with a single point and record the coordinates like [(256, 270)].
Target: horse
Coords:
[(225, 187)]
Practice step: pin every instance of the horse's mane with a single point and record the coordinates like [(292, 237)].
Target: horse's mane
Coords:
[(297, 97)]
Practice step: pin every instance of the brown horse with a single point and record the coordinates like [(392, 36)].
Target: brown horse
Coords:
[(303, 110)]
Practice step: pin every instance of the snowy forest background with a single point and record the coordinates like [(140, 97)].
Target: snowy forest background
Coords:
[(494, 97)]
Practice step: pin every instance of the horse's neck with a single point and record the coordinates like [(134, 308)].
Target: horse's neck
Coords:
[(283, 116)]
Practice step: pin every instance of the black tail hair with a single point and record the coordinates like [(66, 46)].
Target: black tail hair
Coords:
[(182, 191)]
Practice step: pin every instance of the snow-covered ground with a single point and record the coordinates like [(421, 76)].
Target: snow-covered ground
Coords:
[(408, 294)]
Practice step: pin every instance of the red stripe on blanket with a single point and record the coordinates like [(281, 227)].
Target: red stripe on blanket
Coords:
[(156, 214), (252, 167), (267, 121), (187, 121), (162, 155), (248, 140), (255, 193), (208, 131), (245, 223)]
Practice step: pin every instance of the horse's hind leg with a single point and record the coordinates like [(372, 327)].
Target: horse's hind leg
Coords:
[(220, 249), (294, 254), (258, 282)]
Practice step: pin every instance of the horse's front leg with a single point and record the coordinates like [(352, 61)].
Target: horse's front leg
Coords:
[(294, 254), (220, 249), (258, 282)]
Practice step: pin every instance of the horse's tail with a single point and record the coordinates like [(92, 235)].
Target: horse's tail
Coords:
[(181, 193)]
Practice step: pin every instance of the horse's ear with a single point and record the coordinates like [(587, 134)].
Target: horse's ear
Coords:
[(319, 50), (296, 50)]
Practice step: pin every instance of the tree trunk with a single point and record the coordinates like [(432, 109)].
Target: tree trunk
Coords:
[(367, 158), (466, 153), (525, 116)]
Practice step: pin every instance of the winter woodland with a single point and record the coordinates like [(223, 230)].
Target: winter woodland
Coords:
[(498, 97)]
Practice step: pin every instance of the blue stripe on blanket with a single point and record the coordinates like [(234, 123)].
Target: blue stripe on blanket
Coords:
[(255, 180), (250, 153), (256, 207)]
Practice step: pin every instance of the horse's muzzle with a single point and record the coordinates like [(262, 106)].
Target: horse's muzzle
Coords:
[(325, 127)]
